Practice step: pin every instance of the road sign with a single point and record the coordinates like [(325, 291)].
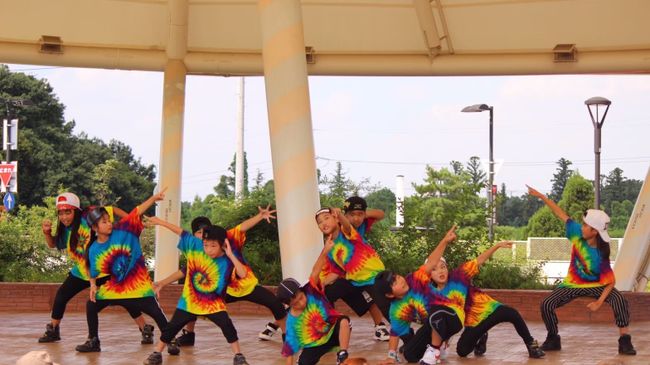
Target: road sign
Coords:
[(9, 201), (9, 176)]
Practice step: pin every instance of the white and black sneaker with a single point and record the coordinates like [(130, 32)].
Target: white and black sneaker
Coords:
[(381, 333), (269, 331)]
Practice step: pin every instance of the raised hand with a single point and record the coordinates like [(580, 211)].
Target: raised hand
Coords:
[(152, 221), (504, 244), (227, 248), (161, 195), (329, 243), (46, 225), (450, 236), (535, 193), (266, 213)]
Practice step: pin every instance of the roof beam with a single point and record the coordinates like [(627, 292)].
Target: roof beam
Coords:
[(428, 26)]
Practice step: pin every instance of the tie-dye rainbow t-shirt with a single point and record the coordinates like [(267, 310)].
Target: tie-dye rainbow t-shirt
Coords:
[(588, 268), (454, 293), (206, 278), (77, 255), (314, 326), (121, 258), (356, 258), (478, 307), (240, 287), (414, 306)]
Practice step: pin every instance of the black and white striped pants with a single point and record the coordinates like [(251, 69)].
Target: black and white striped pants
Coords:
[(562, 296)]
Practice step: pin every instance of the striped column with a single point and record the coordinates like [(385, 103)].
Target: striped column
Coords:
[(292, 142), (169, 174)]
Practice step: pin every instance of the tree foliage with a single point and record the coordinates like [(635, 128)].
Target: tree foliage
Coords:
[(560, 178)]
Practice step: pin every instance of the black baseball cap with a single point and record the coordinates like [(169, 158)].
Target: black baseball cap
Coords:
[(200, 223), (384, 282), (94, 214), (354, 203), (213, 232), (287, 289)]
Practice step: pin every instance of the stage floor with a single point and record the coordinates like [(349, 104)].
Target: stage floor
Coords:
[(120, 343)]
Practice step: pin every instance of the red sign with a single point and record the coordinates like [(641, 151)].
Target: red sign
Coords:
[(6, 170)]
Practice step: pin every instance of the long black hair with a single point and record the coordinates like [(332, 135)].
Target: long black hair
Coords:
[(603, 247), (59, 239)]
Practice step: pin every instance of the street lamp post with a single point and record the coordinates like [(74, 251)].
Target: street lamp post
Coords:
[(597, 121), (481, 108)]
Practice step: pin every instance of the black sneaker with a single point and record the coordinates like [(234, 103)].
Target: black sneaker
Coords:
[(172, 348), (91, 345), (552, 343), (268, 332), (147, 335), (341, 356), (534, 351), (186, 339), (625, 345), (239, 359), (481, 346), (154, 359), (51, 334)]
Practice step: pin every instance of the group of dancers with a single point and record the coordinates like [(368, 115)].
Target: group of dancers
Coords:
[(424, 308)]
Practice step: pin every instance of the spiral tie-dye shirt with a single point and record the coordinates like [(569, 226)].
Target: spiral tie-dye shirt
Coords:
[(414, 306), (206, 278), (587, 268), (121, 258), (354, 257), (314, 326)]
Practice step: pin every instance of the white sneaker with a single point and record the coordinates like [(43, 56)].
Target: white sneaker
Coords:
[(381, 333), (268, 332), (431, 356)]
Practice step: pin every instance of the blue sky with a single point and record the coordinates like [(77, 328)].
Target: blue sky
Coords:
[(377, 127)]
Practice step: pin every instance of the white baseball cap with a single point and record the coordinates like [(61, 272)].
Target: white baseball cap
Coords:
[(67, 201), (598, 220), (36, 358)]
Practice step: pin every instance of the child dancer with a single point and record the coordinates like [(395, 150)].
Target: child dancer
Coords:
[(357, 212), (350, 269), (118, 274), (73, 236), (590, 275), (482, 312), (413, 298), (312, 323), (210, 265)]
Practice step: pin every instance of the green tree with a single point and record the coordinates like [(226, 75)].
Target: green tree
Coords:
[(577, 197), (560, 178), (226, 186), (479, 176)]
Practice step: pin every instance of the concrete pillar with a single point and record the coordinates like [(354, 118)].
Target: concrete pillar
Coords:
[(169, 174), (292, 142)]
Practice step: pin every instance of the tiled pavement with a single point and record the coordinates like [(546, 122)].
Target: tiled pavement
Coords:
[(582, 344)]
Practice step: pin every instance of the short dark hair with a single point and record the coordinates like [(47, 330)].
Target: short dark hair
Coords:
[(216, 233), (384, 282)]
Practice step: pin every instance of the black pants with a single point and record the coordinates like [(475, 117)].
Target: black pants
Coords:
[(311, 355), (181, 318), (443, 320), (378, 299), (562, 296), (148, 305), (70, 287), (263, 296), (503, 313), (352, 295)]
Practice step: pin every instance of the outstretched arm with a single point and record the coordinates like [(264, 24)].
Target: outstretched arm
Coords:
[(322, 258), (175, 276), (262, 214), (155, 221), (152, 199), (490, 251), (436, 254), (551, 204), (376, 214)]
